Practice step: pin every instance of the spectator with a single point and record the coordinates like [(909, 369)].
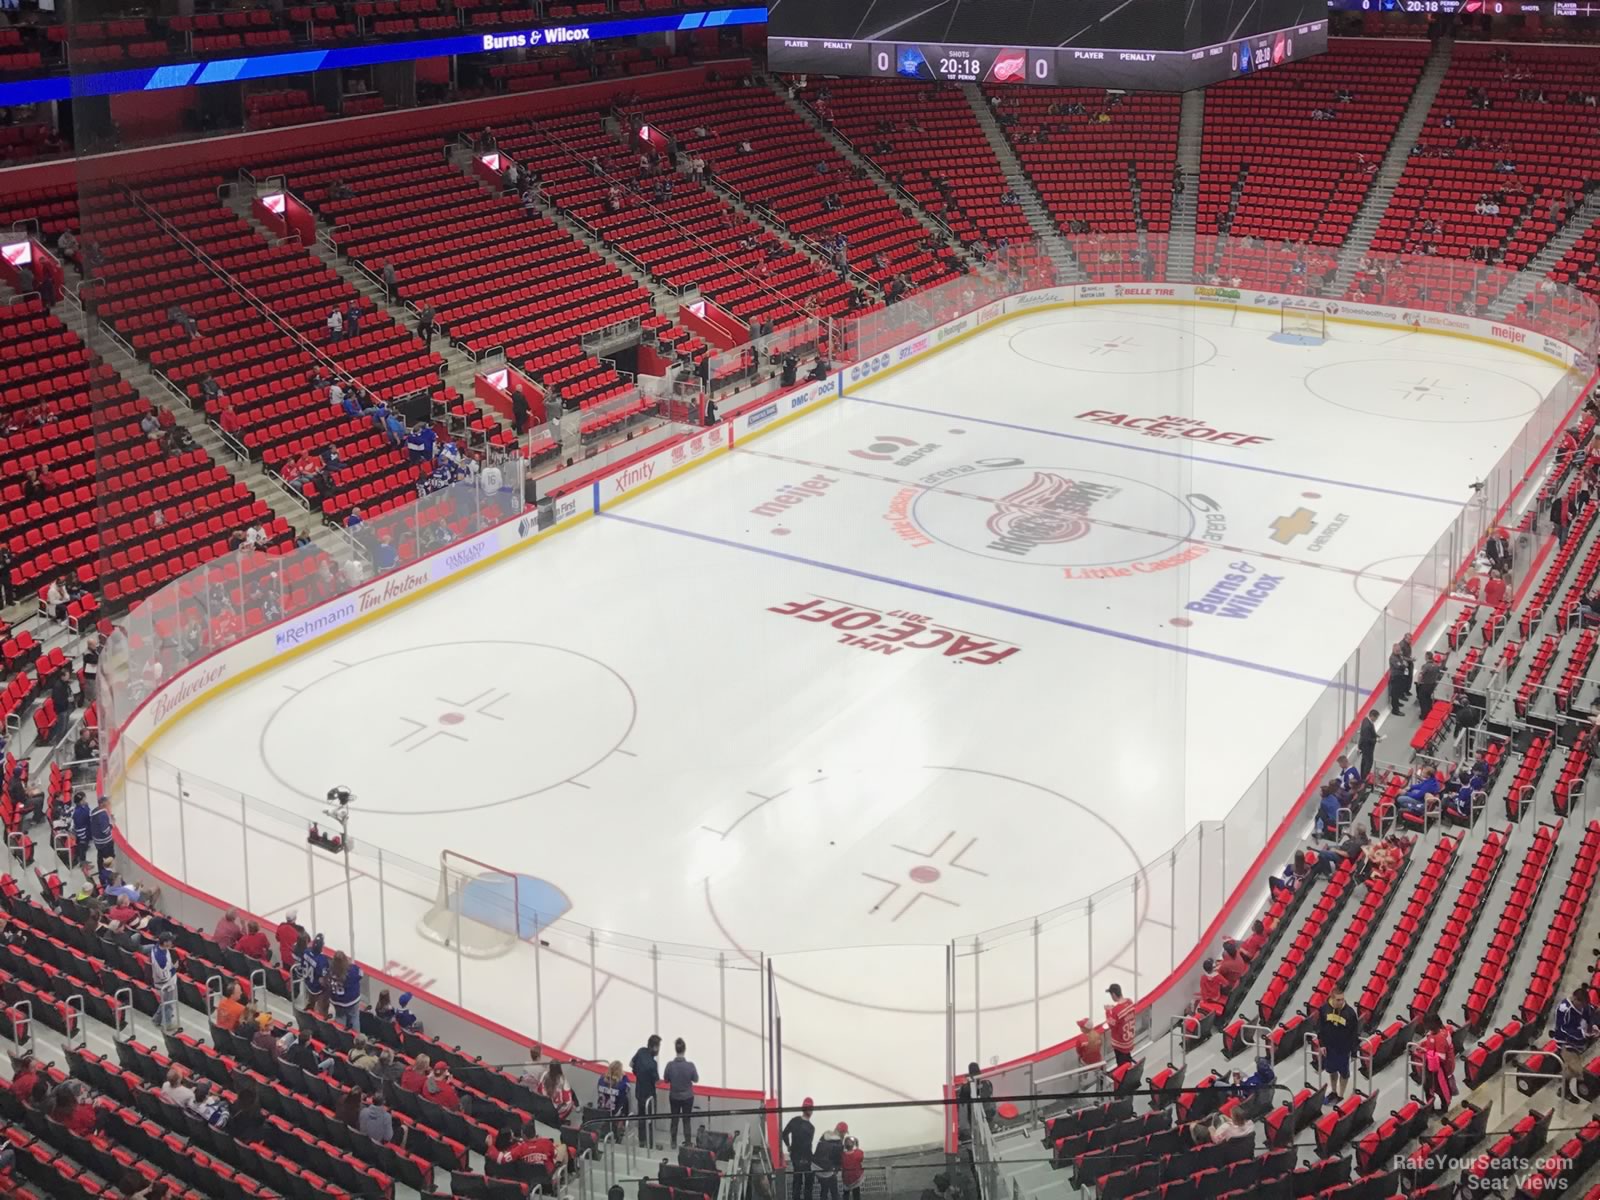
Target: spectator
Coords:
[(335, 324), (612, 1096), (344, 979), (361, 1056), (230, 1009), (164, 977), (799, 1137), (23, 1077), (102, 831), (1338, 1034), (375, 1119), (416, 1074), (419, 442), (646, 1078), (974, 1088), (1233, 965), (208, 1107), (67, 1108), (1494, 591), (1438, 1063), (389, 282), (248, 1121), (1575, 1026), (312, 970), (254, 943), (509, 1148), (681, 1076), (826, 1161), (1256, 1088), (1120, 1020), (1213, 995), (347, 1109), (425, 325), (941, 1189), (287, 934), (519, 410), (438, 1088), (852, 1165), (553, 1087), (534, 1071), (174, 1091), (1256, 941), (80, 828), (228, 930), (402, 1016)]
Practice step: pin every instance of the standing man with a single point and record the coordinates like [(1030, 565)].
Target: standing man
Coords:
[(164, 977), (1398, 680), (101, 832), (1574, 1027), (646, 1078), (1427, 681), (799, 1135), (519, 410), (681, 1076), (388, 281), (1119, 1018), (974, 1088), (1498, 550), (1338, 1032), (1560, 516), (425, 326), (1367, 742)]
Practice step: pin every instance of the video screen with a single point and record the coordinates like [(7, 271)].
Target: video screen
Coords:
[(1160, 45)]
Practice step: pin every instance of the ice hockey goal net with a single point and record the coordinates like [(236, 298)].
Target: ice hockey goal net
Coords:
[(479, 909), (1304, 320)]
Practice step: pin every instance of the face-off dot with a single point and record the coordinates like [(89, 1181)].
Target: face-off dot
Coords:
[(451, 718), (781, 531), (924, 874), (1311, 495), (1181, 622)]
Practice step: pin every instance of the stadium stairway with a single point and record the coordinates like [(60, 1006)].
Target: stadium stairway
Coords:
[(154, 388), (1406, 135), (460, 370), (1550, 254), (1066, 262), (1185, 204), (874, 172)]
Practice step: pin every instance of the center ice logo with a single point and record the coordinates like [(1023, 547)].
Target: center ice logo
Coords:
[(1048, 510), (1090, 524)]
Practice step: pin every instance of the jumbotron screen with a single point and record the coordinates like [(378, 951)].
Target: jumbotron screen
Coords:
[(1150, 44)]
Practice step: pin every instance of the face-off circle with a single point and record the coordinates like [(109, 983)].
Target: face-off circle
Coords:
[(915, 856), (467, 725), (1055, 517), (1429, 391), (1112, 347)]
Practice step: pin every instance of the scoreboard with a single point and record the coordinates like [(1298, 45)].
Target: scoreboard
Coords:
[(1147, 70), (1147, 44)]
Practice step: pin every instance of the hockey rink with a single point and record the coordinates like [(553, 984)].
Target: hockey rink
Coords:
[(969, 644)]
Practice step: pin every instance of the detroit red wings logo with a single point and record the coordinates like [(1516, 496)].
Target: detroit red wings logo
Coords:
[(1048, 510)]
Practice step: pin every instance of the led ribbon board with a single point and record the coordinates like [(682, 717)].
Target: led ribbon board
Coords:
[(301, 62)]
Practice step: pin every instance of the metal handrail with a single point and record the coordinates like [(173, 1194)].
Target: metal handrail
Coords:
[(628, 185), (244, 293)]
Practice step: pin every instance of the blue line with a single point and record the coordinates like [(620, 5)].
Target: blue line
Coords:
[(1219, 462), (1154, 643)]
